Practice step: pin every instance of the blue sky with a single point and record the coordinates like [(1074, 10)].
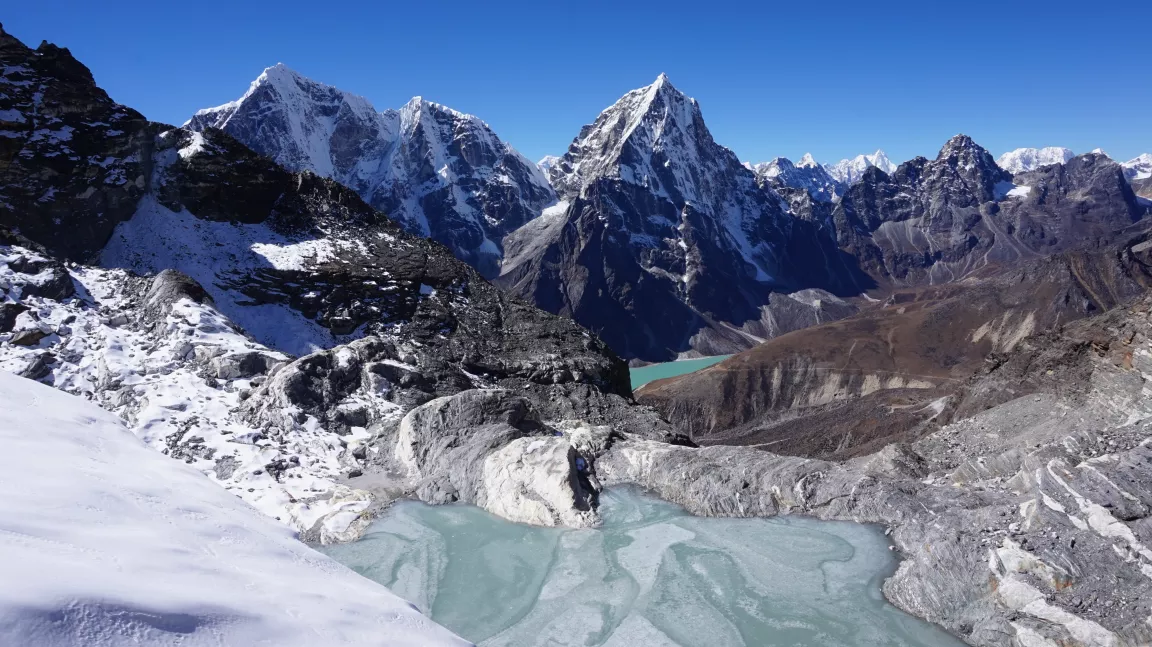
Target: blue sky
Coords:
[(772, 78)]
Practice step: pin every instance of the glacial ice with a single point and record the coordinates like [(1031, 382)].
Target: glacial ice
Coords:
[(651, 575)]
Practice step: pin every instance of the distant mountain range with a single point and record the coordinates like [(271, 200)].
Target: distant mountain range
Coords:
[(645, 212), (655, 216)]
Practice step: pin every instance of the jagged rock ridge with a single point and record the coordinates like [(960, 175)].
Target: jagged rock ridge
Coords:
[(935, 221), (1030, 159), (849, 171)]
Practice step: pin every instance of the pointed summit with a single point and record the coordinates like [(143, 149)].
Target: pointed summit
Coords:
[(964, 162), (277, 71), (1138, 168), (656, 119), (659, 217), (962, 149), (808, 161)]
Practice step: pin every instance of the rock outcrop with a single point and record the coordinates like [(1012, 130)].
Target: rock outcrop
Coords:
[(487, 447)]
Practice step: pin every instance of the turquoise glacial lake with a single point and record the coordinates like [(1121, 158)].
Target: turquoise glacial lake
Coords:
[(645, 374), (651, 576)]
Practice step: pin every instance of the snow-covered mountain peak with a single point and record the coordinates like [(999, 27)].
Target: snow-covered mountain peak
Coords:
[(1139, 168), (291, 86), (1030, 159), (664, 84), (808, 175), (437, 171), (278, 74), (663, 101), (547, 162), (419, 104), (848, 171), (655, 121), (672, 222), (773, 168), (293, 119)]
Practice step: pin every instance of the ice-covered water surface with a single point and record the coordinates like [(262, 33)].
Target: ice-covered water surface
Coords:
[(652, 575)]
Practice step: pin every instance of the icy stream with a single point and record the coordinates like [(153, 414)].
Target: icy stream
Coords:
[(652, 575)]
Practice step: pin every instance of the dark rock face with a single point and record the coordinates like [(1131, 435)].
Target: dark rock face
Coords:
[(165, 289), (658, 218), (437, 172), (1143, 188), (8, 314), (73, 163), (1079, 204), (938, 221)]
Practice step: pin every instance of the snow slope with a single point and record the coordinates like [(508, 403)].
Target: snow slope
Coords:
[(849, 171), (1030, 159), (106, 542)]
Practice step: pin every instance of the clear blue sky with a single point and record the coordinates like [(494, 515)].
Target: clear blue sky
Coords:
[(772, 78)]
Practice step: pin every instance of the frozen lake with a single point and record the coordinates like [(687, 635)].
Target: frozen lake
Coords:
[(652, 575)]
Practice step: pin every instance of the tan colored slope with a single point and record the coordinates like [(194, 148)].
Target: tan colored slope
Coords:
[(850, 386)]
